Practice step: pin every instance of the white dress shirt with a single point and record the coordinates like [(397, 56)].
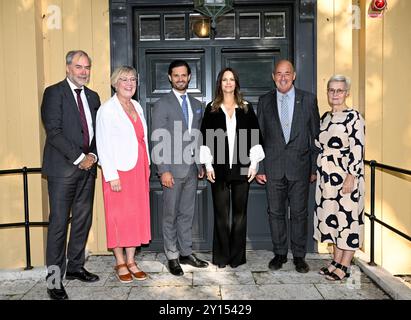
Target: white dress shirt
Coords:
[(190, 112), (87, 112)]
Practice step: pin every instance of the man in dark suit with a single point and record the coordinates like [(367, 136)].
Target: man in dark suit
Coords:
[(177, 115), (69, 112), (289, 123)]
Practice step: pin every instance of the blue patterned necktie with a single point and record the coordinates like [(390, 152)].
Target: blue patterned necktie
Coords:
[(185, 107), (285, 119)]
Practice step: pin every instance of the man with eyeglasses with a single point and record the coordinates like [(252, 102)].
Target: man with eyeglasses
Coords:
[(289, 123), (69, 112)]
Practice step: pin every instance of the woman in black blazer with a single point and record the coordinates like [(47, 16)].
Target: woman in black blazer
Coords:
[(231, 151)]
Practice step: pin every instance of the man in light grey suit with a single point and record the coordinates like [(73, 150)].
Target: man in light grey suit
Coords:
[(289, 123), (179, 115)]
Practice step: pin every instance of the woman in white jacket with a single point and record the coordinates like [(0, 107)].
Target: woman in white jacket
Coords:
[(121, 136)]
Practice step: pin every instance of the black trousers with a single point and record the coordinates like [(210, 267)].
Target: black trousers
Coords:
[(229, 240), (296, 192), (73, 194)]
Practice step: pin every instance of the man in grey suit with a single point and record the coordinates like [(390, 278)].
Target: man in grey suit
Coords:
[(289, 123), (69, 112), (179, 116)]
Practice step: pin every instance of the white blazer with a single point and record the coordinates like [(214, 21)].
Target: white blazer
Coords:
[(117, 145)]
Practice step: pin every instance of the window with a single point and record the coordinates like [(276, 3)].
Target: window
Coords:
[(174, 27), (189, 25), (150, 27), (250, 26), (274, 25), (225, 27)]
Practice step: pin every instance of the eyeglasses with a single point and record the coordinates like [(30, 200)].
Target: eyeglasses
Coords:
[(125, 80), (333, 91)]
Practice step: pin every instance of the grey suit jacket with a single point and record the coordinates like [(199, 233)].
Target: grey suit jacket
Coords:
[(61, 120), (172, 146), (295, 160)]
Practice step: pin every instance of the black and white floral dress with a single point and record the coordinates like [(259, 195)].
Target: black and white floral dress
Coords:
[(338, 217)]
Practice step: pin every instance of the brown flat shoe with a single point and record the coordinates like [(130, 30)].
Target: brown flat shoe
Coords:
[(124, 278), (139, 275)]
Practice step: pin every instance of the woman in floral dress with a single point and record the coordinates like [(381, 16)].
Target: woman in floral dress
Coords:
[(339, 208)]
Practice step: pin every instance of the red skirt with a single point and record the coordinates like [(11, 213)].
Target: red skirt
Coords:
[(128, 212)]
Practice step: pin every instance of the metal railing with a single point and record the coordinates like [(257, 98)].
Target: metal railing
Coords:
[(27, 223), (373, 219)]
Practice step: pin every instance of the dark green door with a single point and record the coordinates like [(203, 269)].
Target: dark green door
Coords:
[(250, 40)]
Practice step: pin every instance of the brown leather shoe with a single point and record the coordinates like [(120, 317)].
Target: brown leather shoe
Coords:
[(139, 275), (124, 278)]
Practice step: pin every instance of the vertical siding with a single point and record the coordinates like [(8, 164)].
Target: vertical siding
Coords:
[(85, 26), (396, 133), (31, 58), (101, 83), (20, 78), (374, 117), (334, 44)]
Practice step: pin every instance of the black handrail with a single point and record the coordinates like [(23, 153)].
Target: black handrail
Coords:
[(26, 224), (373, 165)]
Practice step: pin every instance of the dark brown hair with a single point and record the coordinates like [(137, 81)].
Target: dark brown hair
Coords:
[(219, 95)]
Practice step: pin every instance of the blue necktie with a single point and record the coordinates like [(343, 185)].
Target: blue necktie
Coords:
[(285, 119), (184, 105)]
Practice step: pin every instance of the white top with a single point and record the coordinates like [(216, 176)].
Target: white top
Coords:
[(231, 124), (117, 144), (256, 152)]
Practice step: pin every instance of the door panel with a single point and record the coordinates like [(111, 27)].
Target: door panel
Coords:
[(157, 62), (253, 60), (154, 81), (253, 66), (201, 223)]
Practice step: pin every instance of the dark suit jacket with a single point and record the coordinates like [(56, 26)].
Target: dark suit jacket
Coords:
[(243, 142), (295, 160), (61, 120), (167, 114)]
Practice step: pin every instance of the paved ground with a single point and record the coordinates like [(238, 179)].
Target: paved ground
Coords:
[(252, 281), (406, 279)]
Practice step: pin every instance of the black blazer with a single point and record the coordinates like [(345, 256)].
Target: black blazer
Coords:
[(295, 160), (244, 141), (61, 119)]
